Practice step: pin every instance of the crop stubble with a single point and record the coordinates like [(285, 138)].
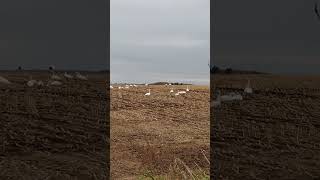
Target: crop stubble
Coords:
[(271, 134), (53, 132), (149, 132)]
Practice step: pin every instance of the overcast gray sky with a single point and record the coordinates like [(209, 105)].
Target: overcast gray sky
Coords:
[(160, 40), (38, 33), (279, 36)]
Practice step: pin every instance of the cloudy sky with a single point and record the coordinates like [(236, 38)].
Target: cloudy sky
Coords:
[(68, 34), (153, 40), (267, 35)]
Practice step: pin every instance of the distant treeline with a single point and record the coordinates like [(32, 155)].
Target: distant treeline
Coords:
[(217, 70), (163, 83), (56, 70)]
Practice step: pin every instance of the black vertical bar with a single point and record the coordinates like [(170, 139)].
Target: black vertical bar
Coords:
[(107, 57)]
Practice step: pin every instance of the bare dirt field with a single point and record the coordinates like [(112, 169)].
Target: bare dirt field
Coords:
[(148, 133), (53, 132), (273, 133)]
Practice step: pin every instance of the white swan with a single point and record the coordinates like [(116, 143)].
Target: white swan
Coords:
[(182, 92), (55, 83), (248, 89), (148, 93), (68, 76), (82, 77), (4, 80), (236, 96), (231, 97), (55, 77)]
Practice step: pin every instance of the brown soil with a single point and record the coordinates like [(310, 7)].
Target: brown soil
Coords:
[(271, 134), (53, 132), (149, 132)]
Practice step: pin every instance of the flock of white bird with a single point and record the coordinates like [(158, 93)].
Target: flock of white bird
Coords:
[(54, 80), (149, 90), (231, 96)]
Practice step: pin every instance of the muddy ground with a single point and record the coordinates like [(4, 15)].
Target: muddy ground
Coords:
[(149, 132), (53, 132), (273, 133)]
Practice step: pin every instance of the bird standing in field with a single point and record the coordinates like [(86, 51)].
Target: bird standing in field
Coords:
[(68, 76), (182, 92), (54, 83), (54, 76), (148, 93), (231, 97), (248, 89), (82, 77)]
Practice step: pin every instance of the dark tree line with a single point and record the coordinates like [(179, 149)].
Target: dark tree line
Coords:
[(216, 69)]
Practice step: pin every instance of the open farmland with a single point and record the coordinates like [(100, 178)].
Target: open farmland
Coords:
[(273, 133), (50, 132), (149, 133)]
